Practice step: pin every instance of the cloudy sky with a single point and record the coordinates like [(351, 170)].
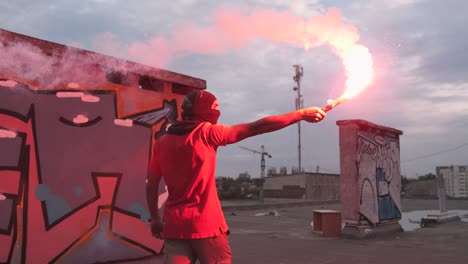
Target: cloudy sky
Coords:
[(420, 83)]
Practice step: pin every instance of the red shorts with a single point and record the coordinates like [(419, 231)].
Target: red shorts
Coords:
[(206, 250)]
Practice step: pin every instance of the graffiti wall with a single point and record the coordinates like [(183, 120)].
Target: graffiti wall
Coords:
[(76, 130), (370, 173), (379, 179)]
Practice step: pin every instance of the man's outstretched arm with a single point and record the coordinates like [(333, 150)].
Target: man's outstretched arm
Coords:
[(272, 123)]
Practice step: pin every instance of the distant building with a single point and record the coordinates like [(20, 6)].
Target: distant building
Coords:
[(309, 186), (455, 179), (421, 188)]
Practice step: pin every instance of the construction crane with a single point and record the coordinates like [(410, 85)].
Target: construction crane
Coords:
[(262, 166)]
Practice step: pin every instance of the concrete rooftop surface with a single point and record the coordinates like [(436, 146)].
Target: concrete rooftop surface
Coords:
[(284, 235)]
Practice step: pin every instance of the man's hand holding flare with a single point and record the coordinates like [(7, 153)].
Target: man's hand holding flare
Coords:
[(312, 114)]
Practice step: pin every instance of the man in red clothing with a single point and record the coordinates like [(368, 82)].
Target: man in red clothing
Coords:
[(194, 226)]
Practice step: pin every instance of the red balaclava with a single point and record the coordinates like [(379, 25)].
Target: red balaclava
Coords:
[(199, 106)]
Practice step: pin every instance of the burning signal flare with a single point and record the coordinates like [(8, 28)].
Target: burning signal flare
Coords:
[(357, 61)]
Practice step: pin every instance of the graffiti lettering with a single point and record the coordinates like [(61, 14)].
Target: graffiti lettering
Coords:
[(366, 147), (379, 176)]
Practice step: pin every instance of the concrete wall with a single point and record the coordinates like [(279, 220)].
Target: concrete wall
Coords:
[(421, 188), (277, 182), (76, 130), (323, 187), (285, 186), (370, 172), (311, 186)]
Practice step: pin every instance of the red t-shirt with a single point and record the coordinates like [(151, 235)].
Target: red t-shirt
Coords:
[(188, 165)]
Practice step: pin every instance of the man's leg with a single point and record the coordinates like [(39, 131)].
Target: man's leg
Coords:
[(178, 251), (213, 249)]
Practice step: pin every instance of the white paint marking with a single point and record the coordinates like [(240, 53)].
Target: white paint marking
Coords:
[(80, 119), (90, 98), (8, 83), (73, 85), (123, 122), (69, 94), (7, 133)]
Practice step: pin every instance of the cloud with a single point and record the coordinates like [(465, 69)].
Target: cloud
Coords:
[(232, 29)]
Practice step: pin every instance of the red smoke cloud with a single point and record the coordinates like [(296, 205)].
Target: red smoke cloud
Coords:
[(233, 29)]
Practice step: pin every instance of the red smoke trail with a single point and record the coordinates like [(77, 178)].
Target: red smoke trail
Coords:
[(234, 28)]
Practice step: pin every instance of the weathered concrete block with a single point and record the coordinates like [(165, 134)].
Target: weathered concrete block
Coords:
[(370, 176)]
